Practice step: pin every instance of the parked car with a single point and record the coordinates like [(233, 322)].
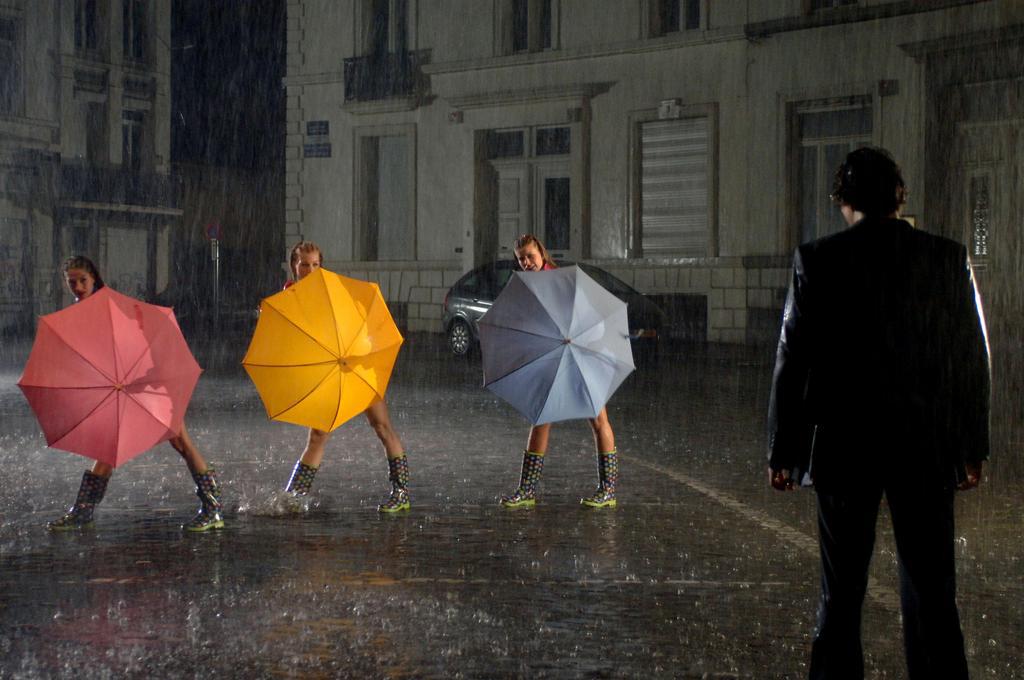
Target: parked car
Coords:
[(474, 293)]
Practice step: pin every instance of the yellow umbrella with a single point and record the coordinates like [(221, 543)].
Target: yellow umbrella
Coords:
[(323, 350)]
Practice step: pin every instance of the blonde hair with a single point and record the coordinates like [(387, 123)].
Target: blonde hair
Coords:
[(529, 239), (298, 250)]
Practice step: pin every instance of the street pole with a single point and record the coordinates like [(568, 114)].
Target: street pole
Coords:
[(215, 257)]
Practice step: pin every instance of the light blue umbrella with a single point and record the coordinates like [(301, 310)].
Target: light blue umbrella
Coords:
[(555, 345)]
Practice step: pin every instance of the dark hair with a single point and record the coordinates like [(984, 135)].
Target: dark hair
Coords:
[(528, 239), (869, 180), (82, 262), (298, 249)]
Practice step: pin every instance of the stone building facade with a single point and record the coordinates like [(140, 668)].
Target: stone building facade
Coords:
[(84, 148), (684, 145)]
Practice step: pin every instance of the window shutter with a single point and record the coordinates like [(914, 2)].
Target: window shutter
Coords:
[(674, 187)]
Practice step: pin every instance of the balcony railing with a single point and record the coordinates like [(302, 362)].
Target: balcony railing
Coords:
[(383, 76), (85, 184)]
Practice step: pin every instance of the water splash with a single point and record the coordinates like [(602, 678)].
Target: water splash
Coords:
[(279, 504)]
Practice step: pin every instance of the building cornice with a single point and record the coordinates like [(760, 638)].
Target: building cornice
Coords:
[(575, 92), (326, 78), (341, 266), (121, 208), (963, 41), (670, 42), (389, 105), (37, 133), (847, 15)]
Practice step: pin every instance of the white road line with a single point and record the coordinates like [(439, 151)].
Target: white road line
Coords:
[(808, 544)]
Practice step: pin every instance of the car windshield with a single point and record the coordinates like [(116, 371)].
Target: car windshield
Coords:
[(502, 276)]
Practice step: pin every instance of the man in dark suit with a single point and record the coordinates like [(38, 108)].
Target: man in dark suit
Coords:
[(881, 386)]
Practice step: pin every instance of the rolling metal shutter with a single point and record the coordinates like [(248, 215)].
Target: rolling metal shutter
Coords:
[(674, 187)]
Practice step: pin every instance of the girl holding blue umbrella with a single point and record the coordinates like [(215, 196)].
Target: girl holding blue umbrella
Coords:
[(532, 256), (83, 279)]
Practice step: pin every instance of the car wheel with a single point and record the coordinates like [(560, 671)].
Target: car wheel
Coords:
[(460, 339)]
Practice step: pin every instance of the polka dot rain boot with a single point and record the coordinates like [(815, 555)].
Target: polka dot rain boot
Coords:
[(398, 474), (301, 480), (79, 515), (209, 515), (608, 473), (525, 495)]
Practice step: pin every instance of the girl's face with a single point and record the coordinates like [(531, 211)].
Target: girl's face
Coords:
[(307, 264), (80, 282), (529, 258)]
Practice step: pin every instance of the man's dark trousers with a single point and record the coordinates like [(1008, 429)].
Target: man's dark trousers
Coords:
[(922, 519)]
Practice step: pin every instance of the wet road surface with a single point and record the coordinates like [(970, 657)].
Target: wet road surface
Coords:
[(702, 571)]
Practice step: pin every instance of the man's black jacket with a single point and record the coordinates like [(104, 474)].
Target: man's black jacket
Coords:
[(882, 366)]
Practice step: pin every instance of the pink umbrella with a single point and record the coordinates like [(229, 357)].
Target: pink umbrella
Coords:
[(109, 377)]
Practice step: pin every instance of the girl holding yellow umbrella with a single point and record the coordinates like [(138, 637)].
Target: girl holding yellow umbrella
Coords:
[(305, 259)]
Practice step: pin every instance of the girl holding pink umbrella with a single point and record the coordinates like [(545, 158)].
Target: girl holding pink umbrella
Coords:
[(83, 279)]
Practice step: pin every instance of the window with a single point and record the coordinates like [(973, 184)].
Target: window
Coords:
[(85, 25), (673, 16), (134, 37), (385, 26), (386, 229), (15, 258), (132, 138), (533, 185), (675, 187), (527, 25), (80, 238), (487, 281), (547, 141), (96, 132), (556, 213), (504, 144), (552, 141), (11, 72), (824, 135)]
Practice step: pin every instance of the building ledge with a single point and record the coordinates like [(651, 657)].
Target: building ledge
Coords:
[(674, 41), (32, 131), (301, 79), (121, 208), (962, 41), (390, 265), (389, 105), (575, 92), (847, 15)]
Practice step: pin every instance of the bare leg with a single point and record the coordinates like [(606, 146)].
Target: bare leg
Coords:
[(538, 441), (184, 445), (380, 420), (604, 438), (313, 454), (398, 465)]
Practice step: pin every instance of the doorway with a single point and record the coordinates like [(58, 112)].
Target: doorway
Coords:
[(533, 191)]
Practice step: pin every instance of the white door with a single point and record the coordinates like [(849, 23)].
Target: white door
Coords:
[(514, 214)]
